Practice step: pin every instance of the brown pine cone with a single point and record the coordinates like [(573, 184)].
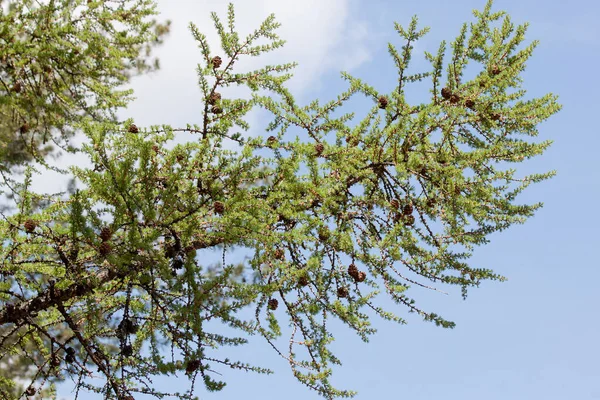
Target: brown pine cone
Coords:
[(394, 203), (454, 98), (30, 226), (133, 129), (407, 209), (105, 248), (271, 140), (319, 148), (446, 93), (17, 87), (361, 276), (495, 70), (470, 104), (273, 303), (214, 97), (219, 207), (216, 110), (192, 365), (216, 62), (24, 128), (409, 220), (105, 233), (342, 292), (279, 254), (30, 391), (353, 271), (383, 102), (303, 280)]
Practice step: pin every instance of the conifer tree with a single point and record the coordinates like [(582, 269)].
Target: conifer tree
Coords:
[(398, 199)]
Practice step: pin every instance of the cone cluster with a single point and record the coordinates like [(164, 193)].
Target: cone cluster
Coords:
[(358, 276)]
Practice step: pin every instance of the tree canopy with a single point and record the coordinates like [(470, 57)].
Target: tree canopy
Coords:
[(65, 60), (400, 198)]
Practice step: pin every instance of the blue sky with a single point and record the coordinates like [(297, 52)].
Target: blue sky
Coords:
[(534, 336)]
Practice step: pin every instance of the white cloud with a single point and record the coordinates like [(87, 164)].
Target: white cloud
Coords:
[(322, 36)]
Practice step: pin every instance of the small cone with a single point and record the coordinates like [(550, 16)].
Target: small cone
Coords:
[(216, 62)]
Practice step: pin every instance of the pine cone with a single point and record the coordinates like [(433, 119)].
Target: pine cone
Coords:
[(352, 140), (383, 102), (216, 62), (216, 110), (24, 128), (495, 117), (361, 276), (133, 129), (342, 292), (303, 280), (319, 148), (219, 207), (495, 70), (446, 93), (30, 226), (271, 140), (407, 209), (394, 203), (105, 248), (17, 87), (353, 271), (273, 303), (470, 104), (30, 391), (214, 97), (70, 358), (192, 365), (279, 254), (454, 98), (409, 220), (105, 233)]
